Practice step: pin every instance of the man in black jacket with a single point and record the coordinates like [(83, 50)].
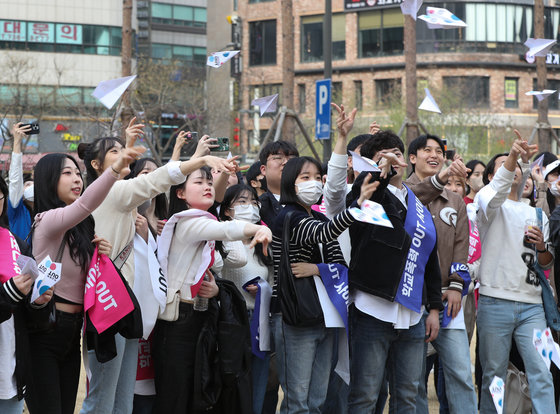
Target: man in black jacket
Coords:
[(386, 267)]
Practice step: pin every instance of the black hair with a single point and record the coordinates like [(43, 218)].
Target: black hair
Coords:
[(548, 158), (421, 142), (230, 197), (160, 210), (176, 204), (27, 177), (489, 170), (471, 165), (96, 150), (289, 175), (381, 141), (253, 172), (277, 147), (532, 197), (79, 237), (4, 216), (357, 141)]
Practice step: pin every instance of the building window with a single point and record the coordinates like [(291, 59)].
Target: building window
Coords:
[(358, 95), (510, 93), (312, 38), (178, 15), (387, 91), (474, 91), (380, 32), (196, 55), (336, 94), (301, 98), (553, 100), (262, 43)]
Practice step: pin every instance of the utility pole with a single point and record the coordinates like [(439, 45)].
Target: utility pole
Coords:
[(410, 75), (126, 60), (288, 133), (327, 56), (542, 122)]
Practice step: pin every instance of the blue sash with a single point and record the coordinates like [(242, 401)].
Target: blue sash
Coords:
[(420, 226), (462, 270), (259, 326), (335, 279)]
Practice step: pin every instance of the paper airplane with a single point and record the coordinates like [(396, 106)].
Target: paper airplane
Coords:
[(429, 103), (541, 95), (217, 59), (372, 213), (411, 7), (441, 19), (497, 390), (537, 162), (538, 47), (109, 92), (266, 104), (362, 164), (540, 346)]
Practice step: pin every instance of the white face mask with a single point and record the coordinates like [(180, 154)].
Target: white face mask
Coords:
[(476, 183), (29, 194), (248, 213), (554, 188), (309, 192)]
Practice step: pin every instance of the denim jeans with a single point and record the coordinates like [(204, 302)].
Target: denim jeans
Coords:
[(452, 346), (11, 406), (307, 364), (498, 320), (375, 344), (277, 335), (55, 360), (111, 388)]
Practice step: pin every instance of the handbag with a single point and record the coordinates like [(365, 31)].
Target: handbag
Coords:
[(551, 312), (516, 395), (299, 301)]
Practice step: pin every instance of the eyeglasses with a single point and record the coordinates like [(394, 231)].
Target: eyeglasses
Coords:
[(245, 203), (280, 158)]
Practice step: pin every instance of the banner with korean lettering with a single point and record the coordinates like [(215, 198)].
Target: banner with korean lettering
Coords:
[(40, 32), (69, 33), (12, 31)]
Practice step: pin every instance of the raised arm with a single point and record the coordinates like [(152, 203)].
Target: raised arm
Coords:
[(15, 190)]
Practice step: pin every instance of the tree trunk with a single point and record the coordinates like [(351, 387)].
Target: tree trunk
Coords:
[(126, 61), (288, 133), (410, 75), (544, 133)]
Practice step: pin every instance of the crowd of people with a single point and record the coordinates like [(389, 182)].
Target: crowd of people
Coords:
[(239, 286)]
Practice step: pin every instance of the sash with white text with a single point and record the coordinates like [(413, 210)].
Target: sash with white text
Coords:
[(420, 227), (260, 329), (9, 253), (335, 279), (462, 270)]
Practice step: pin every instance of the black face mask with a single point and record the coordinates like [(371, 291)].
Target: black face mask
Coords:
[(262, 181)]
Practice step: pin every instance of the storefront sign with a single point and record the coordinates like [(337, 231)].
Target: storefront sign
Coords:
[(354, 5)]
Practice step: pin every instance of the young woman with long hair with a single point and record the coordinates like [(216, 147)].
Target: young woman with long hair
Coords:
[(111, 387), (186, 252), (64, 230)]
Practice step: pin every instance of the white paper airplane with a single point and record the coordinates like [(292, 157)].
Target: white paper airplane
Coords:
[(540, 95), (361, 164), (540, 346), (429, 103), (538, 47), (217, 59), (372, 213), (266, 103), (411, 7), (441, 19), (109, 92), (497, 390)]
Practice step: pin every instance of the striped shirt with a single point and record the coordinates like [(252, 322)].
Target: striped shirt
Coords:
[(307, 232)]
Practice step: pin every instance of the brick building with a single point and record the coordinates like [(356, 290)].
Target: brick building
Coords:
[(480, 70)]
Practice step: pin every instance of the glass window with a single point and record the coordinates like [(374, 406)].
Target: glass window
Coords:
[(474, 90), (162, 51), (387, 91), (312, 38), (258, 91), (358, 95), (301, 98), (200, 54), (262, 43), (553, 101), (511, 93), (162, 13), (380, 32), (183, 52), (184, 13), (338, 38), (200, 15), (68, 96)]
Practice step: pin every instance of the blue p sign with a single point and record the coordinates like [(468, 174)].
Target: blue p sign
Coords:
[(323, 109)]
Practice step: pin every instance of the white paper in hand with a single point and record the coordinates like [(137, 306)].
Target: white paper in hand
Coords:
[(497, 390), (538, 47), (539, 161), (540, 346), (217, 59), (372, 213), (429, 103), (266, 104), (411, 7), (109, 92), (551, 347), (361, 164), (438, 18), (541, 95), (49, 275), (28, 266)]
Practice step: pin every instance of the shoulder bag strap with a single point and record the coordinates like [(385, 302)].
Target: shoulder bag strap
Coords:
[(60, 251), (123, 255), (286, 235)]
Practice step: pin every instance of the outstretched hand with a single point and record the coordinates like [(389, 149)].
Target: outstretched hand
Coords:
[(344, 122), (132, 132)]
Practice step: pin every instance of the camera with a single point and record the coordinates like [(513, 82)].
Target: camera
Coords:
[(34, 128)]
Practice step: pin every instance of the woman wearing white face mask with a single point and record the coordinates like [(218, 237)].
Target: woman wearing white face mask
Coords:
[(474, 179), (304, 354), (243, 264)]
